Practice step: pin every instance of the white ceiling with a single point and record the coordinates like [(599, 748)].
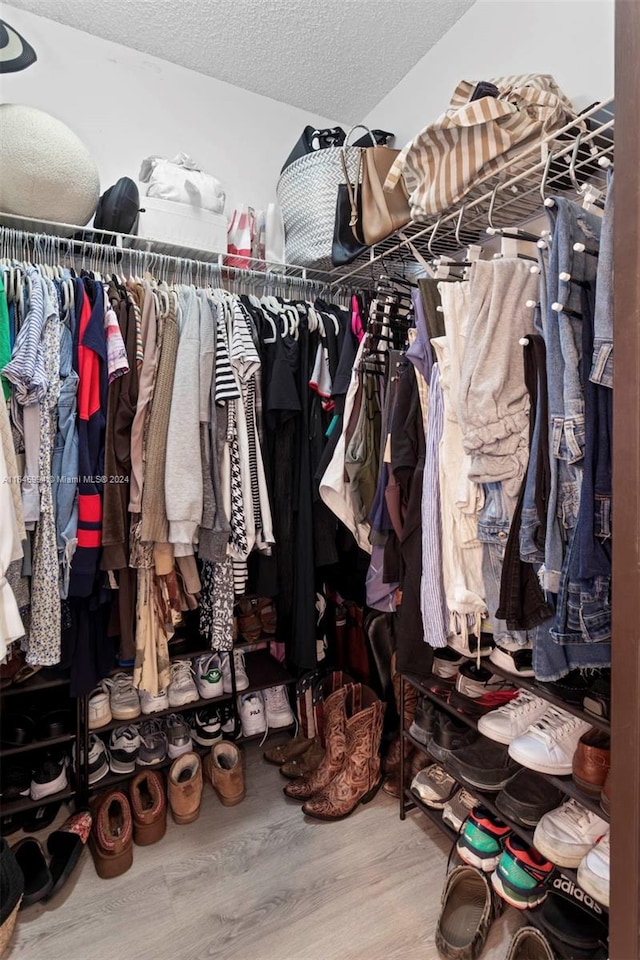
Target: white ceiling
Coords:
[(336, 58)]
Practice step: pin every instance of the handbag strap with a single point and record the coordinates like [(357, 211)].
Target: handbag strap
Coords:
[(350, 188), (361, 126)]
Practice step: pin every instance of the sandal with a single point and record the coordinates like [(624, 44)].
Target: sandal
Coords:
[(65, 846), (37, 876)]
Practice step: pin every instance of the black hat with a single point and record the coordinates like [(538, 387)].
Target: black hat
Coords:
[(15, 53)]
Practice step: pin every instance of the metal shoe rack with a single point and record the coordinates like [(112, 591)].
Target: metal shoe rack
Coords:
[(408, 800)]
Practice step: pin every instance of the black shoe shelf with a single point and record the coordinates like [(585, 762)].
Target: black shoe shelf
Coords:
[(409, 801), (46, 690)]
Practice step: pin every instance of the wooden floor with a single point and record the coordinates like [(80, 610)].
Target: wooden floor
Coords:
[(259, 882)]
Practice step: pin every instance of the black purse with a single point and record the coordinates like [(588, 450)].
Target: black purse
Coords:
[(347, 229)]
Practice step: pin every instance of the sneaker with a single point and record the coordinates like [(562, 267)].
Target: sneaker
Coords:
[(182, 687), (98, 759), (252, 713), (469, 647), (153, 744), (549, 744), (484, 765), (593, 871), (434, 786), (597, 699), (123, 697), (206, 728), (482, 839), (449, 735), (153, 704), (446, 663), (521, 875), (99, 709), (473, 681), (227, 719), (567, 834), (514, 718), (49, 776), (513, 657), (467, 912), (527, 797), (278, 708), (178, 736), (456, 810), (124, 745), (423, 724), (208, 676), (242, 680)]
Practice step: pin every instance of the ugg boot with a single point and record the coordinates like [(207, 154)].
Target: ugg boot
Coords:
[(305, 764), (360, 778), (148, 807), (223, 766), (185, 788), (333, 759), (111, 840)]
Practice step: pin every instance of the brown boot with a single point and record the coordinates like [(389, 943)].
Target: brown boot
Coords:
[(333, 759), (288, 751), (391, 767), (111, 840), (224, 768), (185, 788), (305, 764), (359, 779), (148, 807)]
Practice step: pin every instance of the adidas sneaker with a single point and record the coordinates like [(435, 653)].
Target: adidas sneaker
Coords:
[(208, 673)]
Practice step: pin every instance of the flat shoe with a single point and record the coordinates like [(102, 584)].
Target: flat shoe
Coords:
[(41, 817), (37, 876), (65, 847)]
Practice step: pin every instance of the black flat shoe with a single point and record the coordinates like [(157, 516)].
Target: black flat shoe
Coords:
[(57, 723), (41, 817), (18, 729), (37, 876), (65, 847)]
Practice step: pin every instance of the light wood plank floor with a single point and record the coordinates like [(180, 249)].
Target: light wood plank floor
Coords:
[(259, 882)]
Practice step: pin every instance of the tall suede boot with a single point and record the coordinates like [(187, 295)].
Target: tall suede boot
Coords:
[(392, 760), (360, 777), (331, 763)]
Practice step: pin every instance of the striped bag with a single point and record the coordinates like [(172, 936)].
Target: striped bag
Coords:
[(477, 137)]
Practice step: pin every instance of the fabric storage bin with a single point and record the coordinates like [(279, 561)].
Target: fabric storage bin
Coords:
[(182, 224)]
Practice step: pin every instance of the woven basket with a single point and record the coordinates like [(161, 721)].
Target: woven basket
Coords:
[(6, 930), (307, 194)]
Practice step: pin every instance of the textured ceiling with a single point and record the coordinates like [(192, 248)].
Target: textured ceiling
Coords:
[(336, 58)]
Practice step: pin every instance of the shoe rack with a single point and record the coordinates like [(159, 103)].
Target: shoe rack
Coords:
[(409, 800), (38, 695)]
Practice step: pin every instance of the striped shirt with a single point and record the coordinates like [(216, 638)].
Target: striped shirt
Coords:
[(226, 387), (475, 138)]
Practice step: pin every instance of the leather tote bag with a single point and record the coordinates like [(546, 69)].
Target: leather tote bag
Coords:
[(381, 213)]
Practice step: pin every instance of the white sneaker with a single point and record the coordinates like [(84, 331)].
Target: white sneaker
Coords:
[(252, 714), (182, 688), (151, 704), (457, 809), (566, 835), (208, 676), (242, 680), (593, 871), (123, 696), (123, 749), (514, 718), (549, 744), (278, 708), (99, 709)]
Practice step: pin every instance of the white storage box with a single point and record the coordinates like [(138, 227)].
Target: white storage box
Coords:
[(183, 225)]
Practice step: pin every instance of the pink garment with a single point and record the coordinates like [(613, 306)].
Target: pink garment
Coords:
[(356, 320)]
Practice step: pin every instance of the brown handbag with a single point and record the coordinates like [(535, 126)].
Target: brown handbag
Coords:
[(381, 213)]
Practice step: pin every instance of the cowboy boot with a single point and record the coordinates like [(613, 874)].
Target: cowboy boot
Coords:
[(359, 778), (333, 759), (305, 764)]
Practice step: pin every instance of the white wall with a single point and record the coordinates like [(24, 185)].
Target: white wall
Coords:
[(126, 106), (570, 39)]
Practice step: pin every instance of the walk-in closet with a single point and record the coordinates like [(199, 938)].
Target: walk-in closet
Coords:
[(320, 480)]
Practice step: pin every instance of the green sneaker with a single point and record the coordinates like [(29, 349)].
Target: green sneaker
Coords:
[(482, 839)]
